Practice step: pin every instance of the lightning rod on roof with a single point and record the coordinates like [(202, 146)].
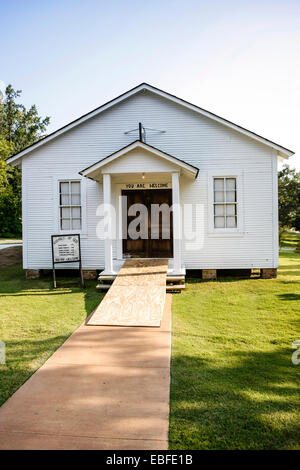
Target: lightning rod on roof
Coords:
[(142, 131)]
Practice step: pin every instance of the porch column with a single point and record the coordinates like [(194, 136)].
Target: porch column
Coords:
[(177, 236), (107, 223)]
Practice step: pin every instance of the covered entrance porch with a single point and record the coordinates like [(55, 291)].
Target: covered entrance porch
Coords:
[(136, 175)]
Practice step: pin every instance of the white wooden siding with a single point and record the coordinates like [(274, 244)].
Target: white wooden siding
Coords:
[(193, 138)]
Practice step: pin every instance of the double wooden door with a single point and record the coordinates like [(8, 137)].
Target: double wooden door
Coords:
[(157, 242)]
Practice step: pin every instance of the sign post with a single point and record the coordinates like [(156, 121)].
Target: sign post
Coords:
[(66, 249)]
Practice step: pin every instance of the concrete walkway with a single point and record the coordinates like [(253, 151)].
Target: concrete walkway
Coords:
[(104, 388)]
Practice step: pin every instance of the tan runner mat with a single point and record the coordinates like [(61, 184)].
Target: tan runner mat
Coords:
[(136, 297)]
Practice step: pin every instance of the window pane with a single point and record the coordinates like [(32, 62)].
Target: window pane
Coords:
[(65, 212), (65, 224), (75, 187), (230, 196), (76, 224), (230, 184), (219, 184), (219, 196), (231, 222), (219, 189), (64, 188), (64, 200), (75, 198), (70, 200), (219, 209), (230, 209), (230, 190), (76, 212), (219, 222), (225, 215)]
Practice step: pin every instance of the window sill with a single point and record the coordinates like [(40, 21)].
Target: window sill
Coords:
[(226, 234)]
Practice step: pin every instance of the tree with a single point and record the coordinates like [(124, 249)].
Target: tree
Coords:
[(289, 198), (19, 128), (5, 151)]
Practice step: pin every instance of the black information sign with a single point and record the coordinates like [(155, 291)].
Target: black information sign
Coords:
[(66, 249)]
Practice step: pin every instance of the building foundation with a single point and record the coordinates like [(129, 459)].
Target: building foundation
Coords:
[(89, 274), (209, 274), (268, 273), (33, 273)]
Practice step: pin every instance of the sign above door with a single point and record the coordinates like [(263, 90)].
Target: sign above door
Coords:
[(146, 186)]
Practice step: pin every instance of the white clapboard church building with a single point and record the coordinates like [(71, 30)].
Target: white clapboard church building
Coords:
[(149, 147)]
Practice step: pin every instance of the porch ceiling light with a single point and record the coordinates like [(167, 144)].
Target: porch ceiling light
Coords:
[(143, 176)]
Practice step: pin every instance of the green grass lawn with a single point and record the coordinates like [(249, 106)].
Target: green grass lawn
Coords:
[(35, 320), (233, 385), (290, 239)]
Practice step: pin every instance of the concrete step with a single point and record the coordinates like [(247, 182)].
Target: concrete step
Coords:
[(169, 278), (103, 286), (178, 279), (175, 280), (175, 287), (107, 277), (169, 288)]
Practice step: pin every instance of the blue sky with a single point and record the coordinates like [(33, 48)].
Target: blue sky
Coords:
[(239, 59)]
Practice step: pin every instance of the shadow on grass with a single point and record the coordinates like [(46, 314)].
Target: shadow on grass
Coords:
[(13, 283), (39, 292), (20, 361), (291, 272), (250, 401), (289, 296), (29, 345)]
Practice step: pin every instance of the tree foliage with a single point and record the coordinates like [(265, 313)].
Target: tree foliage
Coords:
[(19, 128), (289, 198)]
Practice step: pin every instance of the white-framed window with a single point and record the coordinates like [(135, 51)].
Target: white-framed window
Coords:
[(70, 205), (225, 203)]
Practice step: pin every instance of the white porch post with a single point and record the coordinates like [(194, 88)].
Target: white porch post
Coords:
[(176, 223), (107, 223)]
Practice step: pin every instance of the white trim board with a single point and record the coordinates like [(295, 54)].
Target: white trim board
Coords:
[(239, 231), (93, 170), (56, 218)]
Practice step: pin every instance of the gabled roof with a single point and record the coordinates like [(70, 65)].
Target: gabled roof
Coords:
[(91, 170), (284, 152)]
